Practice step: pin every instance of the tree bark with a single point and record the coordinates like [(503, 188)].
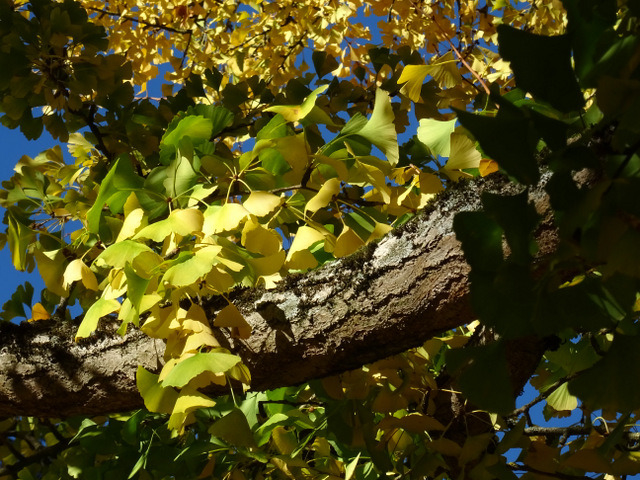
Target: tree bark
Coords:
[(382, 300)]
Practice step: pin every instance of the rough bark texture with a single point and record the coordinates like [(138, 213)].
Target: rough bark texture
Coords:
[(384, 299)]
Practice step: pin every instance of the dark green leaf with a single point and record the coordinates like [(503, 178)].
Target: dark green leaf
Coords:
[(484, 379), (542, 66), (507, 138)]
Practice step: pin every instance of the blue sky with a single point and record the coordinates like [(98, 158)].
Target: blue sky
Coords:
[(14, 146)]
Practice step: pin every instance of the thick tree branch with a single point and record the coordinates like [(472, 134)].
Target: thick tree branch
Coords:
[(383, 300)]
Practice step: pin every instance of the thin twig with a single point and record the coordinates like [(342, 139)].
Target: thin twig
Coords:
[(461, 58)]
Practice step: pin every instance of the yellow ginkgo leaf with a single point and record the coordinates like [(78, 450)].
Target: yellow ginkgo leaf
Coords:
[(463, 155), (262, 203), (132, 223), (38, 312), (413, 77), (380, 230), (329, 189), (77, 270), (347, 243), (299, 256), (181, 222), (488, 166), (231, 317), (260, 240), (224, 218), (189, 400)]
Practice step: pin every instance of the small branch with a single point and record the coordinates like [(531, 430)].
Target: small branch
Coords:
[(576, 430), (563, 476), (41, 454), (89, 119)]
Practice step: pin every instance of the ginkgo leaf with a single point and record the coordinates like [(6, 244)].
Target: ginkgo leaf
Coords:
[(234, 429), (327, 192), (38, 312), (260, 240), (51, 269), (231, 317), (20, 237), (184, 371), (193, 269), (436, 134), (136, 287), (121, 253), (114, 191), (299, 256), (224, 218), (294, 113), (132, 223), (444, 71), (77, 270), (196, 127), (413, 77), (99, 309), (181, 222), (262, 203), (488, 166), (561, 400), (463, 155), (350, 468), (347, 243), (380, 230), (157, 398), (380, 129)]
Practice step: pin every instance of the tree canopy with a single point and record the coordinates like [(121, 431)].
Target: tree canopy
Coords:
[(337, 245)]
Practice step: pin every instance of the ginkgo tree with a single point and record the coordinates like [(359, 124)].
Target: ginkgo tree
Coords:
[(272, 285)]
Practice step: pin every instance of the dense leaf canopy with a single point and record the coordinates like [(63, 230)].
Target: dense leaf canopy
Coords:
[(290, 134)]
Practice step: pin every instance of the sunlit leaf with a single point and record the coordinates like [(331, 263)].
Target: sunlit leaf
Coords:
[(181, 222), (327, 192), (98, 310), (183, 372), (78, 270), (436, 135), (38, 312), (294, 113)]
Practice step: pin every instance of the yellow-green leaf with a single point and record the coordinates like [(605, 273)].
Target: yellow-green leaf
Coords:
[(299, 256), (98, 310), (224, 218), (436, 135), (184, 371), (295, 113), (380, 129), (156, 397), (181, 222), (121, 253), (463, 155)]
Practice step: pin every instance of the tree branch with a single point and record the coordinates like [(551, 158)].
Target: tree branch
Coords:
[(383, 300)]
